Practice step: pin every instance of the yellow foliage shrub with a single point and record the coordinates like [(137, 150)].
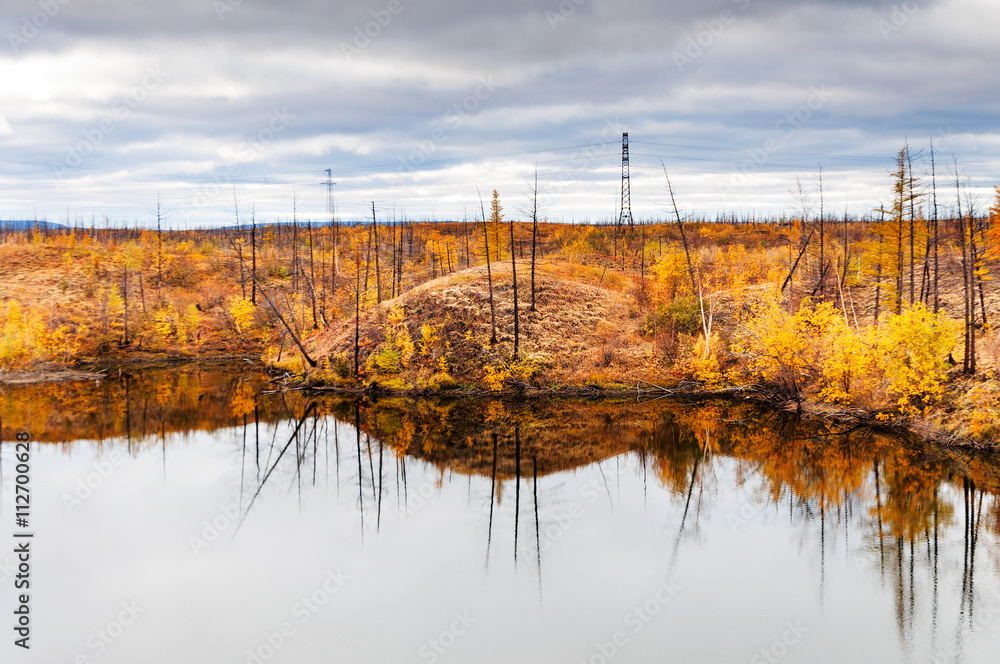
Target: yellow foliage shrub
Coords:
[(428, 338), (392, 355), (913, 346), (983, 400), (242, 310), (22, 337), (900, 362), (704, 366)]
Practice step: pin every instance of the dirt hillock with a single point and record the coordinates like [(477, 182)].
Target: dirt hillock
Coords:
[(579, 332)]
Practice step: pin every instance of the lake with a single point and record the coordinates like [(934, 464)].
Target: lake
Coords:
[(197, 514)]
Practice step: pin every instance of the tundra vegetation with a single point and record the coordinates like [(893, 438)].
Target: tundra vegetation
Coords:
[(889, 316)]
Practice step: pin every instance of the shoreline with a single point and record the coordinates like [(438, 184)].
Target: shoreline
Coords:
[(763, 395)]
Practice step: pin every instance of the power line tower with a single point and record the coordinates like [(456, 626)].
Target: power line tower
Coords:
[(626, 211), (329, 193)]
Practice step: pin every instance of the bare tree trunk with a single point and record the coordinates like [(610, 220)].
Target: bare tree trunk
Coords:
[(972, 292), (399, 272), (159, 249), (911, 182), (843, 278), (378, 277), (802, 251), (312, 275), (368, 257), (357, 312), (822, 238), (694, 286), (534, 235), (937, 272), (968, 363), (253, 256), (642, 259), (125, 295), (142, 293), (295, 244), (513, 271), (878, 287), (392, 288), (277, 312), (489, 274)]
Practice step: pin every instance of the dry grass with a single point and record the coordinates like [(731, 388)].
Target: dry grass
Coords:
[(579, 328)]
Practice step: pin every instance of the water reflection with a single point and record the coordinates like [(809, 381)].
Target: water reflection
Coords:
[(760, 518)]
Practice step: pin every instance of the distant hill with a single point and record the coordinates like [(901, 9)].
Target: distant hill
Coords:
[(24, 224)]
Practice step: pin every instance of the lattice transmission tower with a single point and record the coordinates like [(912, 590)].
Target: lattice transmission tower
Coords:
[(626, 211)]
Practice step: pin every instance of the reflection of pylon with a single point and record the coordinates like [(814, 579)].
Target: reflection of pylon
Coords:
[(626, 212)]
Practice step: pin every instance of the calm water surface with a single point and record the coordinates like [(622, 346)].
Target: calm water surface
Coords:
[(192, 515)]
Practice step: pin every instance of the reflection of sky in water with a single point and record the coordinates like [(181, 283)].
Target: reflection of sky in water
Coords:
[(745, 572)]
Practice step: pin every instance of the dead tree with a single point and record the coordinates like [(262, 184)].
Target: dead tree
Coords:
[(513, 271), (687, 253), (378, 279), (312, 274), (288, 328), (489, 273)]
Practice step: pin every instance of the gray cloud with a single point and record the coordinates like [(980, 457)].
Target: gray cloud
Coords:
[(418, 102)]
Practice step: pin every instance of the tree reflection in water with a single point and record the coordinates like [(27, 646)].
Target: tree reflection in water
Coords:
[(900, 500)]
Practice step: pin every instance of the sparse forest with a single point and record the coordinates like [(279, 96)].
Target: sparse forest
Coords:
[(890, 315)]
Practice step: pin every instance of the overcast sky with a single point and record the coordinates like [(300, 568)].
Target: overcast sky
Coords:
[(414, 104)]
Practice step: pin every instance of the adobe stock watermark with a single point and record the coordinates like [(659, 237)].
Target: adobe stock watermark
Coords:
[(218, 189), (780, 647), (899, 15), (121, 108), (415, 500), (434, 648), (984, 616), (32, 25), (555, 530), (454, 118), (784, 128), (694, 46), (365, 34), (583, 159), (223, 7), (634, 621), (747, 512), (565, 9), (102, 639), (302, 611), (211, 529), (94, 480), (6, 570)]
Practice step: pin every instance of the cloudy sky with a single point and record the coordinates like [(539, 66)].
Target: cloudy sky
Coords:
[(416, 104)]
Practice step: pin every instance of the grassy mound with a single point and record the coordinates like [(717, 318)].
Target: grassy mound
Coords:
[(439, 335)]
